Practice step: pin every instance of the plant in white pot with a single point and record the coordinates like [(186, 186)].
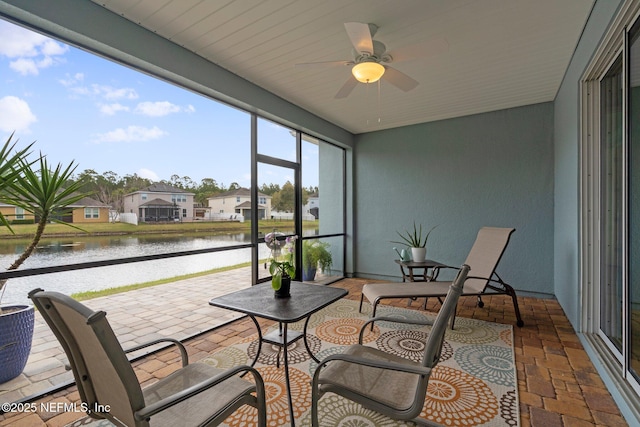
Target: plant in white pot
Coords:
[(41, 192), (416, 241)]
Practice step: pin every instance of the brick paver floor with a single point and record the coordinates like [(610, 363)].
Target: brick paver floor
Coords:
[(558, 385)]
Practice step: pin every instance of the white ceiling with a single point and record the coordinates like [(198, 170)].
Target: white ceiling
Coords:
[(501, 53)]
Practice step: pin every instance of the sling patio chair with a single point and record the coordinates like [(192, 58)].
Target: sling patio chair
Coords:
[(195, 395), (483, 259), (382, 382)]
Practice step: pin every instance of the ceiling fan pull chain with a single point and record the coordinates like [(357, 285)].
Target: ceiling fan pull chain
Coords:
[(379, 104)]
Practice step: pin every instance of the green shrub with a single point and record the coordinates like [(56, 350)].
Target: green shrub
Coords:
[(315, 254), (23, 221)]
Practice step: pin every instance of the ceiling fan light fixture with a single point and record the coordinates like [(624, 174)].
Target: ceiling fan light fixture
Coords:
[(367, 72)]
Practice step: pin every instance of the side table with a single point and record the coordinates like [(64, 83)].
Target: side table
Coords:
[(425, 266), (430, 270)]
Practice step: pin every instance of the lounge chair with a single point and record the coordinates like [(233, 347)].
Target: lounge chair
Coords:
[(483, 259), (387, 383), (194, 395)]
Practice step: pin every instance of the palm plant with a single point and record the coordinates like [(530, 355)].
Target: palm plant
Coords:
[(10, 169), (44, 193)]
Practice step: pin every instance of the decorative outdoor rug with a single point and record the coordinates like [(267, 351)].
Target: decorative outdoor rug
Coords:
[(473, 385)]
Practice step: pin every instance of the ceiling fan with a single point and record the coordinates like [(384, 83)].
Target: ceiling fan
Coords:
[(371, 59)]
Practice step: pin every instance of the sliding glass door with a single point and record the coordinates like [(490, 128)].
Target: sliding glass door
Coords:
[(633, 198), (611, 205), (611, 156)]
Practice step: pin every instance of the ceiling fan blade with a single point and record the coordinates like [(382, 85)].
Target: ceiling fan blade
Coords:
[(323, 64), (421, 50), (399, 79), (360, 36), (346, 88)]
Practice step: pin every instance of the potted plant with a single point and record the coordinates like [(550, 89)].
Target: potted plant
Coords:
[(281, 264), (416, 241), (23, 314), (315, 255), (41, 192)]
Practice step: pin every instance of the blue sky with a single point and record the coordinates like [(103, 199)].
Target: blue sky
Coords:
[(107, 117)]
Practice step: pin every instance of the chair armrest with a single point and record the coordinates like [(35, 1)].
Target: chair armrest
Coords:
[(381, 364), (183, 350), (499, 285), (426, 322), (159, 406)]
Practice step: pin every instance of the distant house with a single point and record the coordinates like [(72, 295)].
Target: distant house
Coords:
[(85, 210), (313, 206), (88, 210), (14, 213), (238, 202), (159, 203)]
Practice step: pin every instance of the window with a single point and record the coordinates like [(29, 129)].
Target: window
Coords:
[(19, 213), (91, 213), (220, 150), (217, 141)]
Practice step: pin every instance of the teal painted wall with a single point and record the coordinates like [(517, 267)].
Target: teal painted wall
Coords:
[(492, 169)]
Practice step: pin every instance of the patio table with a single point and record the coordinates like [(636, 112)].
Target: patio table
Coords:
[(259, 301)]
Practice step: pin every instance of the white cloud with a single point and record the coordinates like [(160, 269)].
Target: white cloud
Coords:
[(157, 109), (111, 109), (53, 48), (24, 66), (31, 50), (15, 115), (80, 91), (110, 93), (149, 174), (77, 87), (131, 134), (161, 108), (71, 81), (17, 41)]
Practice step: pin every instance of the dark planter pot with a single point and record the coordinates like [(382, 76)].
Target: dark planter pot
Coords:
[(16, 333), (285, 288), (308, 274)]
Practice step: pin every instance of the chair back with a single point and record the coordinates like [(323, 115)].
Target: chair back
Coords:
[(103, 373), (433, 347), (484, 257)]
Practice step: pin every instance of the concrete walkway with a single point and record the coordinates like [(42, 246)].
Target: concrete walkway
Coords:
[(179, 309)]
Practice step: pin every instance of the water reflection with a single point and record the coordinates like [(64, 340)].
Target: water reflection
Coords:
[(74, 250)]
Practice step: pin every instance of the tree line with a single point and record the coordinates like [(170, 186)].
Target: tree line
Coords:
[(110, 188)]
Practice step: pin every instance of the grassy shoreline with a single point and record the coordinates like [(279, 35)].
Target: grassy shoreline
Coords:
[(23, 231), (81, 296), (53, 230)]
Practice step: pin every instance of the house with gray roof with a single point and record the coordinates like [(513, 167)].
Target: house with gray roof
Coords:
[(160, 202)]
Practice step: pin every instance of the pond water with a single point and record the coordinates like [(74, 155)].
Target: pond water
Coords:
[(74, 250)]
